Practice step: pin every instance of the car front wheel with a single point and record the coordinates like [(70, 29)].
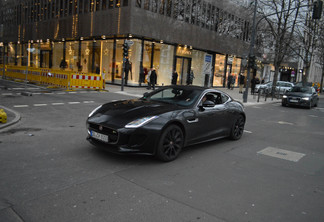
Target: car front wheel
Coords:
[(237, 128), (170, 144)]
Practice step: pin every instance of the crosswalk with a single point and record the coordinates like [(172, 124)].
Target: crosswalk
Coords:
[(52, 104)]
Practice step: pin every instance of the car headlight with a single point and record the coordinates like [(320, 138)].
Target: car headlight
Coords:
[(305, 98), (93, 111), (284, 97), (140, 122)]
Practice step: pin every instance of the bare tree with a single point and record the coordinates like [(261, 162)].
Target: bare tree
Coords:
[(281, 16)]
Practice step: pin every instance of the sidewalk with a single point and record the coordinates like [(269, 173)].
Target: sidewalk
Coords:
[(139, 91)]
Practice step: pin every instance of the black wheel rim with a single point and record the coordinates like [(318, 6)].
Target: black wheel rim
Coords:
[(238, 127), (172, 143)]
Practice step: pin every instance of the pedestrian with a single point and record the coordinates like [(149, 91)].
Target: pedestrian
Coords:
[(63, 64), (233, 81), (174, 77), (127, 68), (190, 77), (97, 69), (141, 75), (241, 82), (229, 81), (253, 83), (148, 79), (153, 78)]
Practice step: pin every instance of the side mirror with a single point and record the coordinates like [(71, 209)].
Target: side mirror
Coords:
[(145, 95)]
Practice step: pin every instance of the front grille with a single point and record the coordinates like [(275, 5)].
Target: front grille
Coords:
[(113, 134)]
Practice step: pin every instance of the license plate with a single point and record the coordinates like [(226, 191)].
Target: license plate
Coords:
[(294, 100), (99, 136)]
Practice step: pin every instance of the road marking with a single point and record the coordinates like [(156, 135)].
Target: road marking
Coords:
[(20, 106), (40, 104), (72, 92), (246, 131), (7, 94), (72, 103), (313, 116), (88, 102), (61, 93), (282, 154), (285, 123), (57, 104), (37, 93)]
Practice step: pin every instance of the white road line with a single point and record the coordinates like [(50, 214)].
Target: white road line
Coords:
[(71, 103), (20, 106), (285, 123), (57, 104), (61, 93), (18, 88), (313, 116), (282, 154), (37, 93), (7, 94), (246, 131), (72, 92), (83, 92), (40, 104), (88, 102)]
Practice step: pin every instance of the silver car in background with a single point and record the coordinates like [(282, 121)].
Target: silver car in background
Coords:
[(281, 87)]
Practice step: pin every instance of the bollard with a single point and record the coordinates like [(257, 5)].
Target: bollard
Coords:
[(3, 116)]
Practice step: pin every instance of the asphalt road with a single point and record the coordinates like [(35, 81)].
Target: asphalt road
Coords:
[(49, 172)]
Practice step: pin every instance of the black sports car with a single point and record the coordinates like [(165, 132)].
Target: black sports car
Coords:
[(162, 122), (300, 96)]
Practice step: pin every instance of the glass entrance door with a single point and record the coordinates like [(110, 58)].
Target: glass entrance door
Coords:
[(44, 59), (183, 68)]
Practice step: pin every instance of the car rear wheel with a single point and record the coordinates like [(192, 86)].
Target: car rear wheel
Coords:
[(237, 128), (170, 144)]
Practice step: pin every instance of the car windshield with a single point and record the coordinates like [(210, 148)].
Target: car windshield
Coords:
[(302, 89), (177, 96)]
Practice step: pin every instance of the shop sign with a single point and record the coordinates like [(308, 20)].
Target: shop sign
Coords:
[(45, 46), (230, 60), (183, 51), (207, 64), (293, 73)]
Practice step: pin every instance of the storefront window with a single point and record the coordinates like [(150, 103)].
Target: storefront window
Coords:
[(219, 70), (107, 59), (11, 54), (86, 56), (198, 59), (147, 54), (134, 55), (162, 62), (236, 68), (45, 51), (57, 54), (35, 60), (71, 56)]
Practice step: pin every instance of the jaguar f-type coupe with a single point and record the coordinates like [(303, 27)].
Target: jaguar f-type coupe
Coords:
[(165, 120)]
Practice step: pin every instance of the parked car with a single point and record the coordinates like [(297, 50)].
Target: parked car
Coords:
[(301, 96), (162, 122), (281, 86)]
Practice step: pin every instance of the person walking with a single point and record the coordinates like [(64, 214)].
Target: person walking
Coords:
[(253, 83), (190, 77), (153, 78), (229, 81), (148, 78), (174, 78), (241, 82)]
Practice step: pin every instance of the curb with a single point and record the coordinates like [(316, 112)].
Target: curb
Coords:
[(9, 123)]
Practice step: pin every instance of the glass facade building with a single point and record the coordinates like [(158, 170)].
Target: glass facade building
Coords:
[(208, 37)]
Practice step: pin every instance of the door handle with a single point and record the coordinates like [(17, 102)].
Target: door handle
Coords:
[(192, 120)]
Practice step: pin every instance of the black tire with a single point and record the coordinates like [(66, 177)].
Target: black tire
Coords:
[(283, 104), (315, 105), (237, 128), (170, 144)]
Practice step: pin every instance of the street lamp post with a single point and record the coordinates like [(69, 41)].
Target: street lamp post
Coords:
[(251, 54)]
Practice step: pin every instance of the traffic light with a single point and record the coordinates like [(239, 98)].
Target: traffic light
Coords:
[(125, 49), (251, 62), (317, 9)]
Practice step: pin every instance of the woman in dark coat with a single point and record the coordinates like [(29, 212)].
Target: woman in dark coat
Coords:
[(174, 78), (153, 78)]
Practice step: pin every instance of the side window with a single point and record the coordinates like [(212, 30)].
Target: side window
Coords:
[(224, 98)]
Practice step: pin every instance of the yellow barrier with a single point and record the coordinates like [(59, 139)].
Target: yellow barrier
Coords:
[(3, 116), (56, 78)]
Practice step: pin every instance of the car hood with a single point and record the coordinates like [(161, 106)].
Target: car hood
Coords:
[(298, 94), (122, 112)]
